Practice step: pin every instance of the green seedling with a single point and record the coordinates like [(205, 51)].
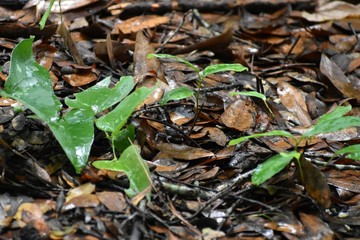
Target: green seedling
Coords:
[(330, 122), (30, 84), (186, 92), (46, 15)]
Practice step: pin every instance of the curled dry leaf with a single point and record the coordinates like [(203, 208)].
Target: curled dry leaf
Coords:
[(147, 71), (338, 79), (183, 152), (240, 115)]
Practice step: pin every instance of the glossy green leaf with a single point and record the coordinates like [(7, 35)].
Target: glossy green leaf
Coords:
[(272, 166), (117, 118), (266, 134), (46, 15), (169, 56), (100, 97), (176, 94), (31, 84), (221, 68), (124, 138), (334, 121), (75, 133), (134, 167), (352, 152), (250, 94)]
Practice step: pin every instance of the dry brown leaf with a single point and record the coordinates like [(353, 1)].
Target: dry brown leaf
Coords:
[(138, 23), (86, 188), (216, 135), (183, 152), (345, 179), (114, 201), (145, 68), (70, 44), (334, 10), (338, 79), (147, 71), (84, 200), (315, 228), (215, 43), (294, 100), (240, 115), (315, 183), (33, 214)]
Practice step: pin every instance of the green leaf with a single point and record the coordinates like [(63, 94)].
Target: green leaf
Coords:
[(100, 97), (221, 68), (187, 63), (134, 167), (334, 121), (123, 139), (176, 94), (30, 83), (117, 118), (75, 133), (250, 94), (352, 152), (46, 15), (272, 166), (267, 134)]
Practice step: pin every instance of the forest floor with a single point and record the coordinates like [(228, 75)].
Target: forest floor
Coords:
[(303, 55)]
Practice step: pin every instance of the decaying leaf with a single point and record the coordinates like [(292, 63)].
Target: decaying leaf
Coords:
[(315, 183), (337, 77), (138, 23), (183, 152), (294, 100), (240, 115)]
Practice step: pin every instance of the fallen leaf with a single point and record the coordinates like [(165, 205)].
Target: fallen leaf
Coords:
[(338, 79), (138, 23), (315, 183), (183, 152), (240, 115), (294, 100)]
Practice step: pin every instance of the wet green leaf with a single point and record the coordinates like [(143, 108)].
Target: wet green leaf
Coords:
[(272, 166), (221, 68), (123, 139), (352, 152), (333, 121), (117, 118), (75, 133), (100, 97), (250, 94), (134, 167), (46, 15), (30, 83), (176, 94), (266, 134)]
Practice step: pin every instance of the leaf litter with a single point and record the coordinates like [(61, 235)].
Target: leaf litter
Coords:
[(303, 59)]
